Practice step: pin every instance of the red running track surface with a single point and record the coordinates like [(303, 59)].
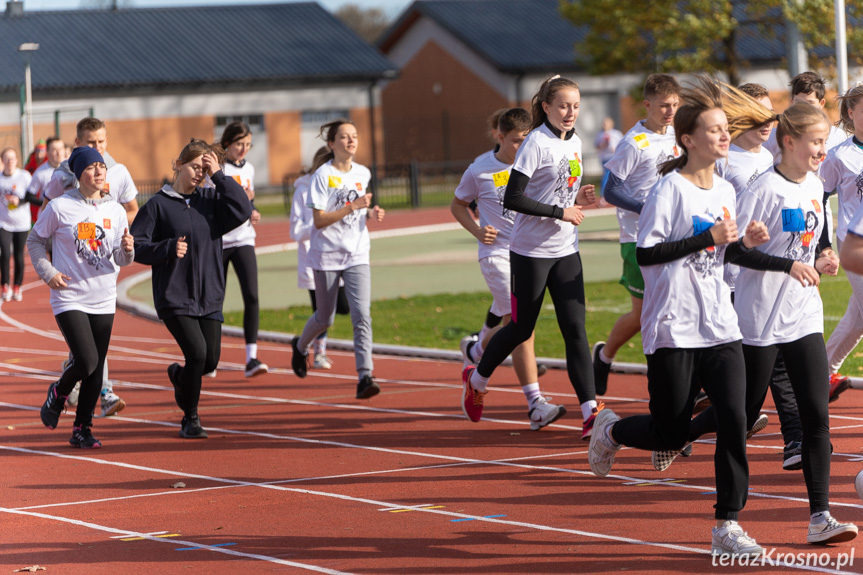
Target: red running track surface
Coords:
[(298, 476)]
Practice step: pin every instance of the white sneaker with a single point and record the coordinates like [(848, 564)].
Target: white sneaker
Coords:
[(7, 293), (831, 532), (72, 400), (759, 424), (602, 449), (111, 403), (465, 344), (322, 361), (731, 539), (662, 460), (212, 374), (543, 413)]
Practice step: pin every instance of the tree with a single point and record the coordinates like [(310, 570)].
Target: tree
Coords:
[(368, 23), (107, 4)]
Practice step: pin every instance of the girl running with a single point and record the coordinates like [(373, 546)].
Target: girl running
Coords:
[(686, 232), (544, 190), (14, 221), (842, 173), (238, 245), (339, 250), (302, 223), (179, 232), (90, 234)]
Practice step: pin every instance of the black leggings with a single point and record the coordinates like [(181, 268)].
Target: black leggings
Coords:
[(200, 340), (87, 336), (246, 266), (565, 282), (12, 244), (674, 377)]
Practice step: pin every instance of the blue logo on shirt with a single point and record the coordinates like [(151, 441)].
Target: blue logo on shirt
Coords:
[(793, 220), (701, 224)]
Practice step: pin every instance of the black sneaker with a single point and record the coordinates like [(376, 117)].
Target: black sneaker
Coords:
[(83, 439), (255, 367), (174, 377), (701, 403), (367, 387), (53, 407), (298, 360), (792, 456), (190, 428), (600, 369)]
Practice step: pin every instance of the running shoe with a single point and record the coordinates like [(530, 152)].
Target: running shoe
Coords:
[(838, 385), (831, 532), (792, 456), (7, 293), (600, 369), (759, 424), (541, 369), (367, 387), (731, 539), (111, 403), (465, 346), (602, 448), (190, 428), (72, 400), (82, 438), (212, 374), (322, 361), (298, 360), (16, 293), (701, 403), (255, 367), (543, 413), (587, 426), (174, 378), (53, 407), (471, 399), (662, 460)]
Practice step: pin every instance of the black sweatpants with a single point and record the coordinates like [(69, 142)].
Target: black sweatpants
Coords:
[(87, 336), (564, 279), (673, 378), (200, 340), (785, 402), (246, 266), (12, 244)]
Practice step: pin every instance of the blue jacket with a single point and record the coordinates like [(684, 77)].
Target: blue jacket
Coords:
[(195, 284)]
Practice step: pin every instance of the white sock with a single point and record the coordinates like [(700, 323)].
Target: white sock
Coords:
[(587, 409), (476, 351), (483, 332), (478, 382), (531, 392), (320, 346), (819, 518), (722, 522), (604, 358), (251, 351)]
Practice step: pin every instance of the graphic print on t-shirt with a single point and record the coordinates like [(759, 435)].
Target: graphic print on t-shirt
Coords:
[(752, 177), (90, 244), (501, 179), (704, 261), (859, 183), (344, 196), (662, 158), (802, 229), (568, 172)]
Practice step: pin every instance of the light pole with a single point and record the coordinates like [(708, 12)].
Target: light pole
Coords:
[(26, 48)]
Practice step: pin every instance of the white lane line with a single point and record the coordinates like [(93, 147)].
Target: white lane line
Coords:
[(175, 542)]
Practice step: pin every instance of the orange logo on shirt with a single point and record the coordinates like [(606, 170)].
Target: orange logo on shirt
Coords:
[(806, 239), (726, 215), (106, 224), (359, 187), (238, 179), (817, 205)]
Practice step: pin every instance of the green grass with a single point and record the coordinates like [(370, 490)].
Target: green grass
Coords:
[(440, 321)]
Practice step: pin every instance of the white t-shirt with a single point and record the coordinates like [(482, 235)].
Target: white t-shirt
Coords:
[(485, 182), (14, 218), (344, 244), (302, 222), (41, 177), (84, 253), (245, 234), (636, 161), (555, 170), (772, 306), (842, 172), (118, 182), (855, 226), (687, 303), (611, 138)]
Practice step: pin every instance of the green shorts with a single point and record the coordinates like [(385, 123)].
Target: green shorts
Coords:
[(631, 279)]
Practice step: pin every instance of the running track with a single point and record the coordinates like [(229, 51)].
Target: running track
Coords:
[(298, 476)]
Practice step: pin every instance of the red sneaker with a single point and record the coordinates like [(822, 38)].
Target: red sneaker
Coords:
[(838, 384), (587, 427), (471, 399)]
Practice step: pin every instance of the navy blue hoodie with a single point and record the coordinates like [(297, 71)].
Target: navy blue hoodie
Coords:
[(195, 284)]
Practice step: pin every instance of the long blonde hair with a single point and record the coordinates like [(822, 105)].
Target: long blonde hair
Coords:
[(797, 119), (846, 104)]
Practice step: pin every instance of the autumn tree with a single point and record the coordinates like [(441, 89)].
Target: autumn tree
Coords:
[(368, 23)]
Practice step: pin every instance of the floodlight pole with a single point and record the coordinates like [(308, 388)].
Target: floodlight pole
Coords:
[(841, 48), (28, 96)]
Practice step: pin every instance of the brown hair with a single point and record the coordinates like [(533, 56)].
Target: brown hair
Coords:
[(320, 158), (328, 133), (197, 148), (754, 91), (53, 139), (797, 119), (493, 120), (660, 85), (88, 124), (547, 91), (514, 119), (846, 104), (233, 132), (807, 83), (9, 149)]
